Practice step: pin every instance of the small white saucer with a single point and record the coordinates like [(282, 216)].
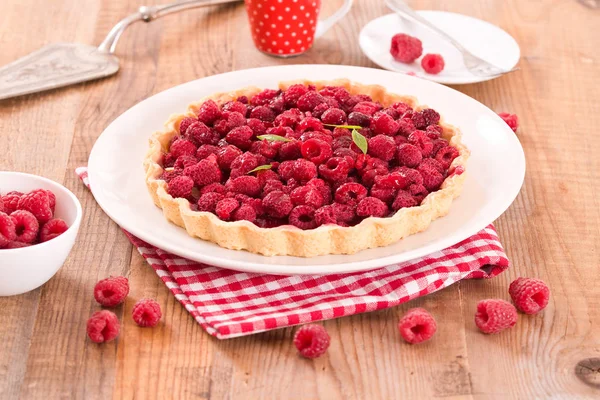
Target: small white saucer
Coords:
[(483, 39)]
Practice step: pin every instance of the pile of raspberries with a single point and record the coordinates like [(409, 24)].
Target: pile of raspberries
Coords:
[(28, 219), (307, 157)]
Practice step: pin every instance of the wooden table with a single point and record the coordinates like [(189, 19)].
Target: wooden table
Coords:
[(551, 231)]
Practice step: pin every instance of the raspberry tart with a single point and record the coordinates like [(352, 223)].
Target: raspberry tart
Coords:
[(309, 169)]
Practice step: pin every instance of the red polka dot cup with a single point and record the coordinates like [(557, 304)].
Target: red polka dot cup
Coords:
[(287, 28)]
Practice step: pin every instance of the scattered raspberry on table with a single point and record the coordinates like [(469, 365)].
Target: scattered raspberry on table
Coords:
[(312, 340), (432, 63), (111, 291), (146, 313), (103, 326), (405, 48), (530, 295), (417, 326), (494, 315)]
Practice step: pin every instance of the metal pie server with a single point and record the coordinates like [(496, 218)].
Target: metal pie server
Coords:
[(63, 64)]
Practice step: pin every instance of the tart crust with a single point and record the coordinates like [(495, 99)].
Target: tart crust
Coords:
[(290, 240)]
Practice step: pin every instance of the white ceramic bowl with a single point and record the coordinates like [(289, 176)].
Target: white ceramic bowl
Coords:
[(27, 268)]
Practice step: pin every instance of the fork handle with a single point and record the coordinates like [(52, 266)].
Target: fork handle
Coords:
[(400, 7), (150, 13)]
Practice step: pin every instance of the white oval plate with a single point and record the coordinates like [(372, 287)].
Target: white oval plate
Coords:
[(495, 171), (483, 39)]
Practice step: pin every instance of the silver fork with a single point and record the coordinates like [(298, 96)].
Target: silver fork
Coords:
[(474, 64)]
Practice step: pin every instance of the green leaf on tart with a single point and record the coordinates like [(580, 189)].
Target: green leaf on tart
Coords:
[(345, 126), (274, 138), (359, 140), (261, 168)]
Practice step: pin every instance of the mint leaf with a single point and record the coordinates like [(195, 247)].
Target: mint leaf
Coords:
[(359, 140), (273, 138), (261, 168), (345, 126)]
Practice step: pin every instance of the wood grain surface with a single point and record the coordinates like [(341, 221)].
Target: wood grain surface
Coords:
[(551, 231)]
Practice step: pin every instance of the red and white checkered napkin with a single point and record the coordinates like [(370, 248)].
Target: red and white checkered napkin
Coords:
[(229, 304)]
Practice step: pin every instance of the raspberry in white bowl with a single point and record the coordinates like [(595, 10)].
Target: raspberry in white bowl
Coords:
[(39, 221)]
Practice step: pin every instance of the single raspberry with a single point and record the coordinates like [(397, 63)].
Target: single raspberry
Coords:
[(432, 179), (307, 195), (405, 127), (322, 187), (421, 140), (350, 193), (293, 93), (263, 98), (303, 217), (185, 124), (180, 187), (320, 109), (432, 163), (26, 226), (265, 176), (286, 169), (146, 313), (168, 160), (530, 295), (495, 315), (257, 126), (235, 106), (367, 108), (419, 120), (383, 124), (16, 245), (288, 118), (272, 186), (391, 112), (199, 134), (304, 170), (167, 176), (226, 155), (263, 113), (208, 201), (411, 174), (277, 104), (226, 207), (382, 146), (511, 119), (213, 187), (434, 132), (103, 326), (290, 150), (233, 120), (417, 326), (37, 203), (205, 172), (309, 124), (402, 108), (418, 192), (209, 112), (358, 118), (241, 137), (403, 199), (308, 101), (409, 155), (112, 291), (384, 194), (325, 215), (394, 180), (182, 147), (432, 117), (186, 161), (405, 48), (311, 341), (248, 185), (53, 228), (432, 63), (277, 204), (8, 231), (334, 116), (371, 207), (316, 150), (245, 212), (446, 155)]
